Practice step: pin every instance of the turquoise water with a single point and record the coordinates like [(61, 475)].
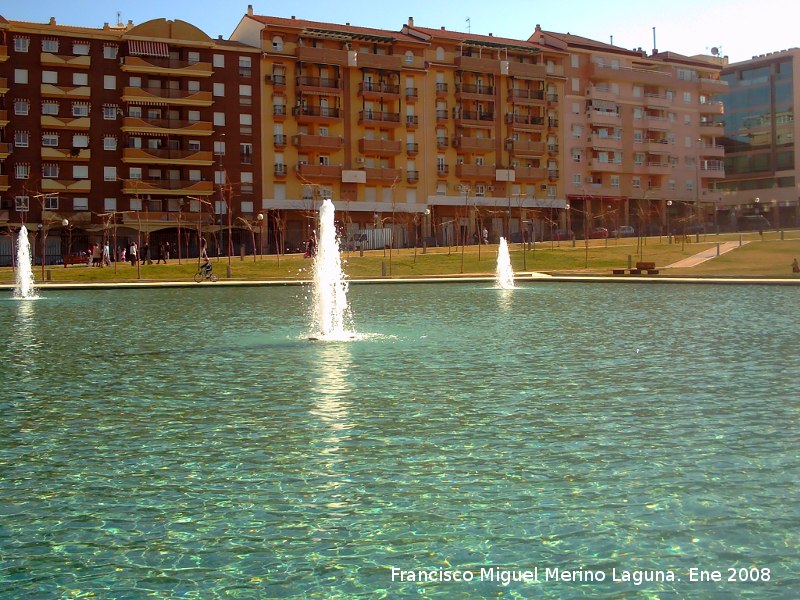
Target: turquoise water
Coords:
[(192, 443)]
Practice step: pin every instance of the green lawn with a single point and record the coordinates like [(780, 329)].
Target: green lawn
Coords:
[(766, 256)]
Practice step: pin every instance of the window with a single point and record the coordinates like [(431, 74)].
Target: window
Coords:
[(689, 185), (245, 62), (110, 52), (109, 142), (218, 60), (576, 179), (576, 84), (245, 90), (247, 184), (638, 91), (21, 44), (21, 139), (193, 57), (277, 43), (575, 61), (22, 203), (671, 185), (50, 171), (80, 48), (194, 116), (219, 148), (109, 82), (109, 112), (50, 46), (80, 141), (577, 131), (219, 119), (687, 97), (49, 108), (80, 171), (109, 173), (409, 57), (21, 107), (638, 159), (576, 108), (687, 141), (80, 110), (135, 81), (135, 111), (576, 155), (615, 181), (195, 175), (636, 183), (22, 171), (246, 152), (49, 77), (135, 173), (50, 140), (194, 145), (687, 119), (638, 136), (109, 204), (20, 75), (51, 202), (439, 57), (245, 124), (219, 89)]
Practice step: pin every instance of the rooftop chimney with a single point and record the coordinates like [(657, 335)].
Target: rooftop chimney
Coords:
[(410, 21), (250, 9), (52, 20)]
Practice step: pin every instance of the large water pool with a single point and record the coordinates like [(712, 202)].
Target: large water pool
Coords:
[(193, 443)]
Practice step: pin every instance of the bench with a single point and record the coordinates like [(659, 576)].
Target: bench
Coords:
[(75, 259), (648, 268)]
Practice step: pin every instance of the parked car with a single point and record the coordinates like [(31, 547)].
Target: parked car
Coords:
[(598, 233), (623, 231), (753, 223)]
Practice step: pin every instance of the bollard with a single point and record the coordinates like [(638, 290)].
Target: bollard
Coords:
[(383, 269), (781, 234), (48, 275), (630, 262), (740, 240), (717, 249), (697, 237), (228, 271), (241, 252), (360, 251)]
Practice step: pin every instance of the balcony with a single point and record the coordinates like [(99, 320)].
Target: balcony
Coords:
[(604, 117), (3, 118), (380, 147), (659, 167), (279, 112), (412, 121), (279, 169), (412, 176), (526, 71), (305, 142), (712, 169), (626, 74), (167, 187), (441, 115), (657, 146), (383, 174), (51, 122), (529, 174), (442, 171), (366, 117), (316, 114), (165, 66), (323, 56), (158, 217), (606, 142), (3, 53), (374, 91), (65, 92), (441, 90), (412, 148), (320, 172), (4, 184), (712, 150), (66, 185), (441, 142), (317, 85), (279, 140), (367, 60), (75, 154), (655, 123), (473, 144), (654, 100), (48, 59), (712, 108), (412, 94), (470, 91), (166, 126), (598, 165), (526, 96), (5, 150), (464, 171), (143, 156), (525, 121), (711, 129), (471, 118), (713, 86), (166, 96), (601, 92), (3, 86), (526, 148), (478, 65)]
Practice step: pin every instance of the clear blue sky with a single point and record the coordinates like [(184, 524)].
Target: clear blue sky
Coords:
[(740, 28)]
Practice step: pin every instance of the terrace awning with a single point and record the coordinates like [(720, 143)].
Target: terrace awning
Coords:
[(142, 48)]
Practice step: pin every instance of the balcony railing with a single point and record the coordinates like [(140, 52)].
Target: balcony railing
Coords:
[(333, 172), (464, 142), (375, 116), (82, 61), (412, 176), (380, 147), (471, 88), (279, 169), (384, 174), (378, 88), (167, 96), (306, 141), (165, 66), (167, 155), (323, 112), (317, 82), (412, 148), (170, 187), (165, 126), (516, 94)]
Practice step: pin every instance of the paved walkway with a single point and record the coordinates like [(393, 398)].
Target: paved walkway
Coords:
[(705, 255)]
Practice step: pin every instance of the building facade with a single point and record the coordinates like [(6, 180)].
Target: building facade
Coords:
[(435, 135), (762, 164), (642, 136), (127, 133)]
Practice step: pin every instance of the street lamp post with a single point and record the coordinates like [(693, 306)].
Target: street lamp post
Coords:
[(669, 234)]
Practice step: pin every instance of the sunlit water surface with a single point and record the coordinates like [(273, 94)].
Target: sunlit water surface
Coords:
[(193, 443)]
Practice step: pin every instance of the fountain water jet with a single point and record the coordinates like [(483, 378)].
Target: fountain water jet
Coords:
[(330, 318), (25, 289), (504, 274)]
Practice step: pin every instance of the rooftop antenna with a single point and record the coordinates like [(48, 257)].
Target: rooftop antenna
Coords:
[(469, 25), (119, 19)]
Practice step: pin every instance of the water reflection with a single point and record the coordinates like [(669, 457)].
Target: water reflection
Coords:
[(331, 388), (24, 343), (505, 299)]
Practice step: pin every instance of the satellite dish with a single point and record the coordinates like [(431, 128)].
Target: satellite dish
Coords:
[(715, 51)]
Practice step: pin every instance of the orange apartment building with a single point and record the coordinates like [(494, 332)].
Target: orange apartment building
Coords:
[(641, 135), (429, 132), (127, 133)]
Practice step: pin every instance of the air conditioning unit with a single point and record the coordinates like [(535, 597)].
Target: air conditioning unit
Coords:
[(267, 78), (489, 188), (360, 160), (589, 180)]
